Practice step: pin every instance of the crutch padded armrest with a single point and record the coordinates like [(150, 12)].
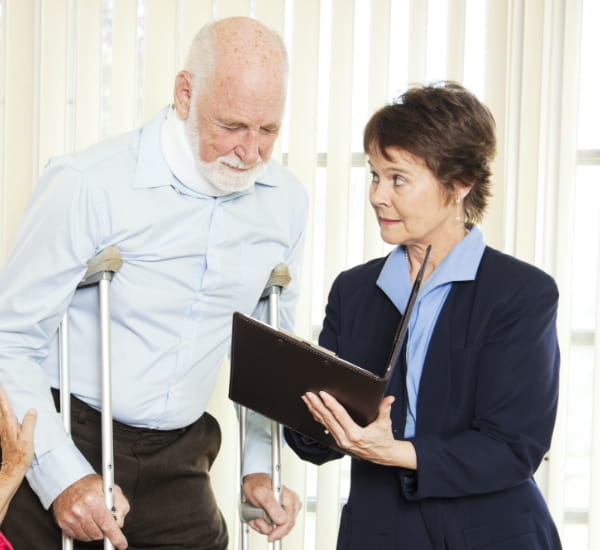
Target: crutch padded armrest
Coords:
[(107, 260)]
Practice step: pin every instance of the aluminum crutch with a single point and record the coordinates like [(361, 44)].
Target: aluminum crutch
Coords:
[(279, 279), (100, 271)]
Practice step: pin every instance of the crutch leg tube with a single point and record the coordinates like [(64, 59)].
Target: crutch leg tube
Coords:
[(100, 272), (65, 392), (108, 480), (244, 514), (279, 279)]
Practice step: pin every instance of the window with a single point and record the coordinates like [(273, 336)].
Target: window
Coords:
[(583, 360)]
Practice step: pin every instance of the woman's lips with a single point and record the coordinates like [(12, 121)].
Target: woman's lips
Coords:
[(388, 221)]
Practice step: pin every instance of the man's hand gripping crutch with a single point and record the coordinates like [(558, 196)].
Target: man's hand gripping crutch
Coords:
[(93, 507), (267, 506)]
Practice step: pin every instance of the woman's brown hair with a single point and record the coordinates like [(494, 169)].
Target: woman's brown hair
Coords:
[(449, 129)]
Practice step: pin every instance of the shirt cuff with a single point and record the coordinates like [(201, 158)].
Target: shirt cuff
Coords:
[(257, 449), (57, 470)]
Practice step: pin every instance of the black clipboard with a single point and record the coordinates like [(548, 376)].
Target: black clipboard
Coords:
[(271, 369)]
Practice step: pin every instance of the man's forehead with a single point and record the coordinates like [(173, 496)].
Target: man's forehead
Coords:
[(251, 117), (234, 101)]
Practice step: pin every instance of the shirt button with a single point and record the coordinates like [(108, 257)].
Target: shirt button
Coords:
[(186, 342)]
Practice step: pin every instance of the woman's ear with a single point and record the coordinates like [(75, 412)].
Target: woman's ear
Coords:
[(461, 191)]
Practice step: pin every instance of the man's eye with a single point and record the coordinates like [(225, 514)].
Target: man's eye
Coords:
[(229, 125)]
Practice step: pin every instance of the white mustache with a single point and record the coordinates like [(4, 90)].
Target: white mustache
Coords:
[(234, 162)]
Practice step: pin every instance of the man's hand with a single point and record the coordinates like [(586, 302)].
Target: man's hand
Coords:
[(259, 492), (81, 512)]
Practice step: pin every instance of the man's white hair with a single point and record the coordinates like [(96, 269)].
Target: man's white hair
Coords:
[(201, 60)]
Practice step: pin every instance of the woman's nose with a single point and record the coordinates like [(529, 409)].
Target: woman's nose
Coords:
[(380, 194)]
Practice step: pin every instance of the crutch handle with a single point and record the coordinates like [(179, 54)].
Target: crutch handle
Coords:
[(249, 512)]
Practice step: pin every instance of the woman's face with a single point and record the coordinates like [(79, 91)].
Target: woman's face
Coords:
[(411, 205)]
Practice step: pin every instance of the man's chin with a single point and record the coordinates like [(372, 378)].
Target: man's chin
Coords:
[(233, 187), (232, 180)]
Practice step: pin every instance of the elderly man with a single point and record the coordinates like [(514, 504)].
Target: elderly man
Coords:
[(201, 215)]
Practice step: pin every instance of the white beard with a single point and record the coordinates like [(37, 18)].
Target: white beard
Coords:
[(222, 172)]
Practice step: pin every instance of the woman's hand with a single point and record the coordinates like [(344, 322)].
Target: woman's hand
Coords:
[(17, 450), (374, 442)]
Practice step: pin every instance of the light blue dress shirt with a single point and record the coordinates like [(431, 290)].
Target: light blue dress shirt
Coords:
[(460, 264), (190, 261)]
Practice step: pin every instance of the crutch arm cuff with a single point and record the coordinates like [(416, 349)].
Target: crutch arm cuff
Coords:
[(107, 261)]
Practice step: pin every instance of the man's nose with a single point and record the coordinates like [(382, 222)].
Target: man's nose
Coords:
[(248, 150)]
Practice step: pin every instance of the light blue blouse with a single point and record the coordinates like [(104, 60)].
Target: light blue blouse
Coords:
[(459, 265)]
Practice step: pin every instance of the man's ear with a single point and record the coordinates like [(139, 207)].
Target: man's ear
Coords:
[(182, 94)]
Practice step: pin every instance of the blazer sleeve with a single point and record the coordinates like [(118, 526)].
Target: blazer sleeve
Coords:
[(508, 423)]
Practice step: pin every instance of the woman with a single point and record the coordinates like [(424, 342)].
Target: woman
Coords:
[(470, 407), (17, 453)]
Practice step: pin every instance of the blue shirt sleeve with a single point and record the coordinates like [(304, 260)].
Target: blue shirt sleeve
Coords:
[(55, 238)]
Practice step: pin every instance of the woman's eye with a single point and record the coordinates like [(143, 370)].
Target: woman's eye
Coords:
[(398, 180), (374, 178)]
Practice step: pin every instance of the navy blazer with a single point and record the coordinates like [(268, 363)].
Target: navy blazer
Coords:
[(486, 410)]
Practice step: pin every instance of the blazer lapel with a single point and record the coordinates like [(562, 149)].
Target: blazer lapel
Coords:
[(448, 336)]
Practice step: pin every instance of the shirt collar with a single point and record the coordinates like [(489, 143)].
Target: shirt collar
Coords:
[(460, 264), (152, 169), (180, 157)]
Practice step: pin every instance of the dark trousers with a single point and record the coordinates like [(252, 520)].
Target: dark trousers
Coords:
[(163, 474)]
